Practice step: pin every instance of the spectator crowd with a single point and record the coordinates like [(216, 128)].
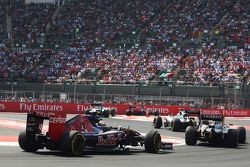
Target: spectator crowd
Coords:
[(29, 22), (234, 28), (203, 66), (97, 34), (2, 23), (186, 21)]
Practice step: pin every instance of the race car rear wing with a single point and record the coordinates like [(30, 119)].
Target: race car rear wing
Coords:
[(96, 104), (213, 117), (193, 112)]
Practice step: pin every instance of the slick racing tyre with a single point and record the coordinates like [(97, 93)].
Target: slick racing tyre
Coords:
[(176, 125), (242, 135), (112, 112), (152, 141), (128, 112), (73, 143), (25, 144), (157, 122), (232, 138), (106, 113), (191, 135)]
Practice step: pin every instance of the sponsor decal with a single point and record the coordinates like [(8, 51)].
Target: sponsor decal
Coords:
[(227, 113), (235, 113), (111, 140), (215, 112), (211, 116), (82, 108), (161, 110), (2, 107), (40, 107), (45, 114), (59, 120)]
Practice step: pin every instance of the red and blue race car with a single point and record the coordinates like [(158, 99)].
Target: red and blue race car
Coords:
[(81, 133)]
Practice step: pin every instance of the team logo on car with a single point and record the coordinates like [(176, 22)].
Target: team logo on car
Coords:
[(111, 140)]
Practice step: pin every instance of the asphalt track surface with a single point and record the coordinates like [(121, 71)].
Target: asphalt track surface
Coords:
[(200, 155)]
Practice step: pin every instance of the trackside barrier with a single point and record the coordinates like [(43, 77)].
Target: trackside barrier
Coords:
[(72, 108)]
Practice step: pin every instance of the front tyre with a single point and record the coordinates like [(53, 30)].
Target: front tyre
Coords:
[(25, 143), (152, 141), (73, 143)]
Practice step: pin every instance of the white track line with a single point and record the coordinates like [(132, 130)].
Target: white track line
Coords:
[(9, 144)]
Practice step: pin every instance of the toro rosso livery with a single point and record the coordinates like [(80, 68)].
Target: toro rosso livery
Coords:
[(211, 128), (176, 123), (81, 133)]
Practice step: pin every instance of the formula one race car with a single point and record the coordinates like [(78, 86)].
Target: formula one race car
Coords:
[(178, 122), (82, 133), (211, 128), (140, 111), (98, 109), (135, 110)]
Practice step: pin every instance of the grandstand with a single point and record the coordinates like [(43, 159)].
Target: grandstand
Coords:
[(163, 43), (2, 24)]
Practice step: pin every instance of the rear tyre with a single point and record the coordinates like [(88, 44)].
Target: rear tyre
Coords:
[(191, 135), (25, 144), (176, 124), (128, 113), (152, 141), (242, 135), (113, 112), (73, 143), (157, 122), (232, 138)]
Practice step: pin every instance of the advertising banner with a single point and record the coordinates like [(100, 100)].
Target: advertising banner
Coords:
[(43, 107), (72, 108)]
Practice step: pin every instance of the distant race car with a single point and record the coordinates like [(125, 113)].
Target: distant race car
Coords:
[(98, 109), (82, 133), (135, 110), (139, 111), (211, 128), (178, 122)]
